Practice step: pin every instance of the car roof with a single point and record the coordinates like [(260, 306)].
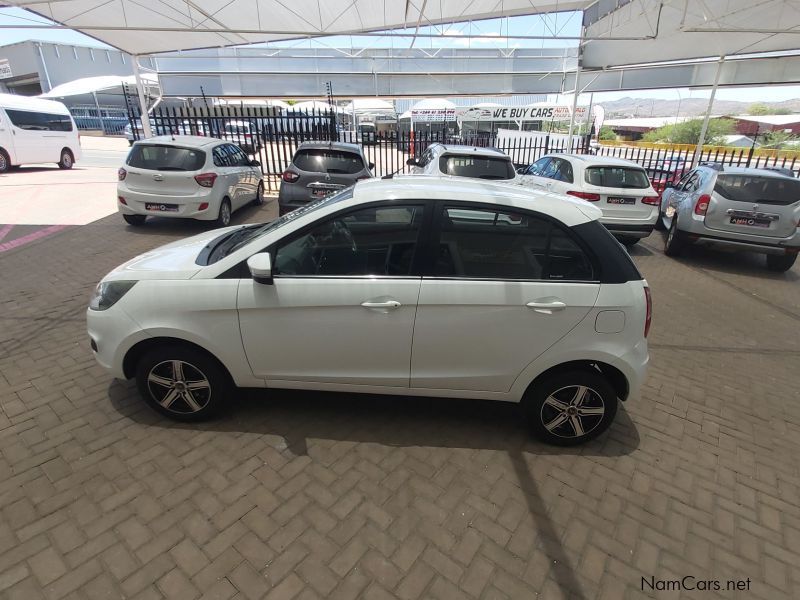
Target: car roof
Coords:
[(415, 187), (590, 160), (464, 149), (330, 145), (192, 141), (746, 171)]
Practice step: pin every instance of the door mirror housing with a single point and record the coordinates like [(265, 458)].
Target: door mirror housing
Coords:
[(412, 162), (255, 163), (522, 170), (371, 166), (260, 266)]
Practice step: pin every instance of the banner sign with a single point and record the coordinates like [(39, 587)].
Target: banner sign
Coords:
[(433, 115), (554, 112), (5, 69)]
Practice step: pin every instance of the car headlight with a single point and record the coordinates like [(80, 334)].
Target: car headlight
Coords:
[(108, 293)]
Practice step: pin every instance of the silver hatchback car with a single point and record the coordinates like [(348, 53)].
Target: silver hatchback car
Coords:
[(737, 208)]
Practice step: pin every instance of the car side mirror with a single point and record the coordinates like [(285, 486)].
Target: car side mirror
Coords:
[(255, 163), (260, 266), (521, 170), (371, 166), (412, 162)]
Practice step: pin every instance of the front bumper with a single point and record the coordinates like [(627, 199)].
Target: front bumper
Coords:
[(112, 333)]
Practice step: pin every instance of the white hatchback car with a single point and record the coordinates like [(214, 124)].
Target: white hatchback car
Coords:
[(187, 176), (621, 189), (417, 286), (463, 161)]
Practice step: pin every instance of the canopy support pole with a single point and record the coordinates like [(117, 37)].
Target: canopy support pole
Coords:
[(142, 101), (574, 107), (699, 150)]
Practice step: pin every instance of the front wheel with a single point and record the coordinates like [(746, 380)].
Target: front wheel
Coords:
[(183, 383), (5, 162), (67, 160), (780, 262), (570, 408), (224, 217)]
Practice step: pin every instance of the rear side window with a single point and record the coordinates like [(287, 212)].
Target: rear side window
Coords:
[(481, 167), (617, 177), (489, 244), (757, 189), (328, 161), (158, 157), (39, 121)]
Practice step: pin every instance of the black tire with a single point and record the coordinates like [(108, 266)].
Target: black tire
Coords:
[(675, 241), (554, 398), (206, 382), (259, 199), (135, 220), (67, 159), (780, 263), (224, 217), (5, 162)]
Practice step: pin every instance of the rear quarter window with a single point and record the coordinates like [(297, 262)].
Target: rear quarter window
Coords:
[(758, 189), (328, 161), (158, 157), (481, 167), (617, 177)]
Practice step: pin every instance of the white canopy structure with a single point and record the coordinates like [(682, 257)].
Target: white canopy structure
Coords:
[(94, 85)]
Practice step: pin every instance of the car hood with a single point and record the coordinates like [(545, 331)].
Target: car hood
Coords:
[(172, 261)]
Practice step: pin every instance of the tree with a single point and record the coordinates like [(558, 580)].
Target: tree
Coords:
[(606, 133), (688, 132), (760, 108), (777, 140)]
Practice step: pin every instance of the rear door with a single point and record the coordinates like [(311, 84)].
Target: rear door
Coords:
[(621, 190), (164, 170), (754, 204), (504, 286)]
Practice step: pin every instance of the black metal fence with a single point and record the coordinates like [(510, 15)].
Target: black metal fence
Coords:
[(272, 138)]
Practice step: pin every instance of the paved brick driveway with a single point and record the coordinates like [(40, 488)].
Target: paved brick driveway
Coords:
[(323, 496)]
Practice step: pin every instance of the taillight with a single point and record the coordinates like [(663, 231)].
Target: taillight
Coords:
[(701, 206), (122, 200), (206, 179), (649, 315), (651, 200), (584, 195), (290, 176), (121, 174)]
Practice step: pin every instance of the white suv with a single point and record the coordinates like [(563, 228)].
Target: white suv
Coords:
[(621, 189), (188, 177), (463, 161), (416, 286)]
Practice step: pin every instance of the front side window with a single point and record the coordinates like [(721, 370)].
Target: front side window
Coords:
[(378, 240), (617, 177), (158, 157), (500, 244), (480, 167), (322, 160), (39, 121)]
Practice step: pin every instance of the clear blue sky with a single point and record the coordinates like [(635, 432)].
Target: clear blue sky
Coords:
[(562, 24)]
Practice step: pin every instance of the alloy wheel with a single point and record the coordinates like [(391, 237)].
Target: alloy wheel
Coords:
[(572, 411), (179, 386)]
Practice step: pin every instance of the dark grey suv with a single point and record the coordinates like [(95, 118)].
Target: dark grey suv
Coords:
[(321, 168)]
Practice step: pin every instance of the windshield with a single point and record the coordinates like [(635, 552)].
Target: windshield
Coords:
[(758, 189), (157, 157), (321, 160), (482, 167), (617, 177), (231, 242)]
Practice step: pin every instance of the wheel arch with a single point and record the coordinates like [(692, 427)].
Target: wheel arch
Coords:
[(614, 376), (139, 349)]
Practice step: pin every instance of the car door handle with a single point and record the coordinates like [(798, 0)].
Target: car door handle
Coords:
[(548, 307), (392, 304)]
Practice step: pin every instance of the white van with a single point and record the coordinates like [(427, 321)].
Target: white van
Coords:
[(33, 130)]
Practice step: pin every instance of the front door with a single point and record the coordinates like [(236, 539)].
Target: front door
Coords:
[(342, 305), (505, 287)]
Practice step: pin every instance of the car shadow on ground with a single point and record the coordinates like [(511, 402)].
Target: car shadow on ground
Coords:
[(731, 262), (400, 421), (639, 250)]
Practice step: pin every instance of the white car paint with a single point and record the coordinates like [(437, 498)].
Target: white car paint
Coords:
[(37, 142), (409, 335), (632, 220), (139, 187)]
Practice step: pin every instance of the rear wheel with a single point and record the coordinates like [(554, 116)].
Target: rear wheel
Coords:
[(224, 217), (5, 162), (780, 262), (182, 383), (134, 220), (259, 199), (67, 160), (675, 241), (570, 408)]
